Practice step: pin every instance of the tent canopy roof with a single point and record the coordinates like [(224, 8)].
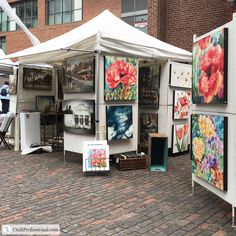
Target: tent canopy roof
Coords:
[(105, 33)]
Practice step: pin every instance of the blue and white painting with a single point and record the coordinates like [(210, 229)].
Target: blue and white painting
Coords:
[(119, 122)]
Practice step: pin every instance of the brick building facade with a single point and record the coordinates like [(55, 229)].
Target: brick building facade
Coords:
[(173, 21)]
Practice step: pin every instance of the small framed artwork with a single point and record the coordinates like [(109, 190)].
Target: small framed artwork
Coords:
[(119, 122), (180, 75), (149, 84), (120, 78), (181, 104), (60, 95), (95, 156), (210, 68), (44, 103), (37, 78), (180, 138), (209, 148), (79, 75), (79, 116), (148, 124), (13, 84)]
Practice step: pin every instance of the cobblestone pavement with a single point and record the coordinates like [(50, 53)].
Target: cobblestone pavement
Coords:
[(41, 188)]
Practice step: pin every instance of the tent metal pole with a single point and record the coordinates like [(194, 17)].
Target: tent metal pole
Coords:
[(17, 118), (97, 70)]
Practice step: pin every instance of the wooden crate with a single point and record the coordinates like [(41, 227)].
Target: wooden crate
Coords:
[(131, 163)]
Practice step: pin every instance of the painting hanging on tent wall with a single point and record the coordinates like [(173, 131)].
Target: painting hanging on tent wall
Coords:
[(79, 116), (209, 149), (120, 78), (12, 84), (180, 138), (79, 75), (60, 76), (181, 104), (149, 84), (180, 75), (37, 78), (119, 122), (44, 103), (148, 124), (210, 68)]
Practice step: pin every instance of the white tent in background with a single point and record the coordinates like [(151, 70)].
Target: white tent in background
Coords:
[(5, 61), (105, 33)]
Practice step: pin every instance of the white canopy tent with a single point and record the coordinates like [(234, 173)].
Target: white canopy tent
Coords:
[(105, 33)]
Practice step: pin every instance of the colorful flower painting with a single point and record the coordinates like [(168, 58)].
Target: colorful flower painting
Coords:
[(180, 138), (120, 78), (119, 122), (210, 69), (181, 104), (209, 149), (180, 75)]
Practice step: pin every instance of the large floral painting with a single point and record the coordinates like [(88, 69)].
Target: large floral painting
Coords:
[(180, 75), (209, 149), (120, 78), (149, 84), (181, 104), (210, 69), (119, 122), (180, 138)]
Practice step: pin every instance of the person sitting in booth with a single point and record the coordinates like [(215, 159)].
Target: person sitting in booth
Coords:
[(4, 96)]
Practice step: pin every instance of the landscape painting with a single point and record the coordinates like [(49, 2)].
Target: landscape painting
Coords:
[(44, 103), (12, 84), (79, 75), (209, 149), (210, 68), (119, 122), (120, 78)]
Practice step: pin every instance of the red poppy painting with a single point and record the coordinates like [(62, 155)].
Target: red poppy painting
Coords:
[(180, 138), (120, 78), (210, 69)]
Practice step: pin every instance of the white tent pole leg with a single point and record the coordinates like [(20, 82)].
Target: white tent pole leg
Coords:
[(17, 133), (97, 70)]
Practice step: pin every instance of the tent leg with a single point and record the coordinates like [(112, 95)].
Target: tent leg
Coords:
[(193, 187), (64, 156), (17, 133)]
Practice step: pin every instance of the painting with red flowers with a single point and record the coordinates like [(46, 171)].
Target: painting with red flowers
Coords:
[(210, 68), (120, 78), (180, 138), (209, 148), (181, 104)]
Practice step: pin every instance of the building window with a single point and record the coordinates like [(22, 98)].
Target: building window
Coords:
[(63, 11), (27, 11), (134, 12), (3, 43)]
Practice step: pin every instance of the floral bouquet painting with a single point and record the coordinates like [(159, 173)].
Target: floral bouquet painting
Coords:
[(120, 78), (181, 107), (210, 69), (209, 152), (180, 138)]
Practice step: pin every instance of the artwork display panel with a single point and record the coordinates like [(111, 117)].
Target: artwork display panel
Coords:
[(181, 104), (180, 138), (95, 156), (148, 124), (210, 68), (119, 122), (37, 79), (180, 75), (43, 103), (209, 149), (12, 84), (79, 116), (149, 84), (120, 78), (79, 75), (60, 76)]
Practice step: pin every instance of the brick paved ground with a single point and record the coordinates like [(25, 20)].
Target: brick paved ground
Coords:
[(40, 188)]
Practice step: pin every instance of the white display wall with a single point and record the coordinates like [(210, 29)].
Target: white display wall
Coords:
[(74, 142)]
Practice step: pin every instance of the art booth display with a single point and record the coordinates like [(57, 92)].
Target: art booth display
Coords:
[(180, 75), (95, 156), (119, 122), (181, 104), (148, 124), (209, 149), (79, 116), (120, 78), (210, 68), (12, 84), (79, 75), (37, 78), (149, 84), (180, 138), (44, 103)]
